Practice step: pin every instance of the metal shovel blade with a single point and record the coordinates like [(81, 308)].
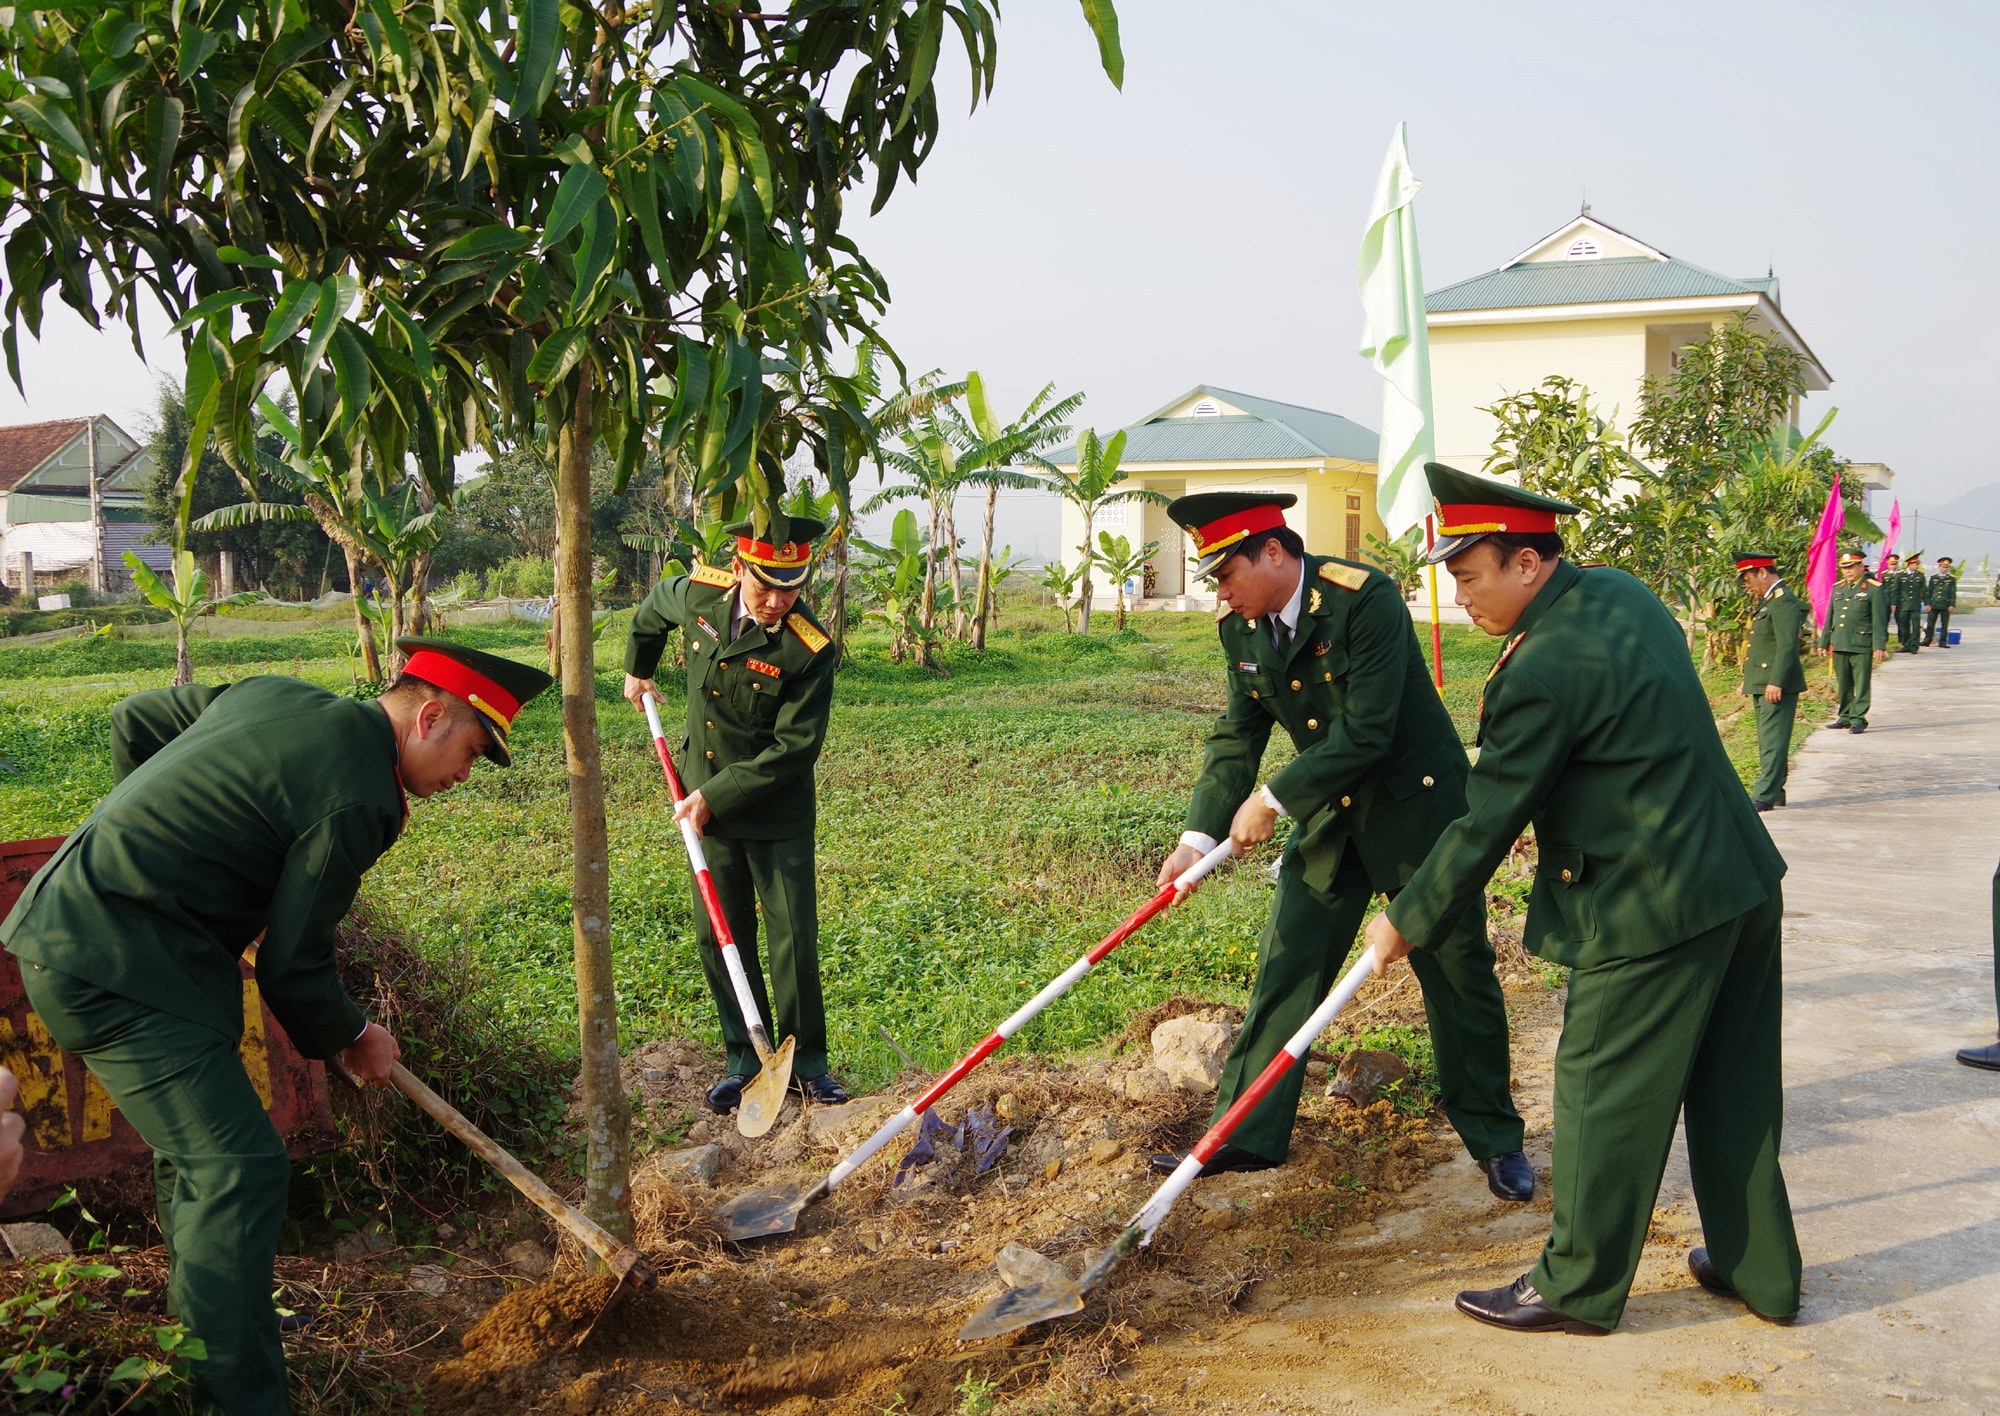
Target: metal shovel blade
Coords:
[(758, 1214), (764, 1094), (1022, 1307)]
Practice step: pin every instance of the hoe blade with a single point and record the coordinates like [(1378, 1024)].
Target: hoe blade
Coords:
[(765, 1093), (758, 1214), (1022, 1307)]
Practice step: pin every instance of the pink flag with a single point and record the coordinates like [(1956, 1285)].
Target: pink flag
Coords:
[(1821, 570), (1895, 530)]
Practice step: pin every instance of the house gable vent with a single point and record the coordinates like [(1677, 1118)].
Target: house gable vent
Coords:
[(1207, 408), (1582, 249)]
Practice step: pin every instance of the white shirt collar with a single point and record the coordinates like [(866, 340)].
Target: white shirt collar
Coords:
[(1290, 614), (1776, 586)]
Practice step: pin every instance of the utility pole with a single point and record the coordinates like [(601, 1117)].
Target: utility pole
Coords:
[(96, 510)]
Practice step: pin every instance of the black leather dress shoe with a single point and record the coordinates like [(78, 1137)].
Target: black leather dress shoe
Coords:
[(1519, 1308), (1986, 1058), (1708, 1276), (1222, 1162), (726, 1095), (294, 1322), (1857, 727), (1510, 1176), (1762, 806), (825, 1089)]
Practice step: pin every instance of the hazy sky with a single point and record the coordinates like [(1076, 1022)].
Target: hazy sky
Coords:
[(1202, 225)]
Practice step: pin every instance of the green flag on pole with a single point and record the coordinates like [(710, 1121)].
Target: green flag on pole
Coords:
[(1396, 341)]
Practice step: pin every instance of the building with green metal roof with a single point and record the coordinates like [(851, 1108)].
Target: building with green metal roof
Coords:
[(1589, 302), (1212, 439)]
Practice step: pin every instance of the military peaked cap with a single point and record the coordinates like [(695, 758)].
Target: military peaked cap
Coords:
[(1470, 508), (1218, 522), (496, 688), (784, 561)]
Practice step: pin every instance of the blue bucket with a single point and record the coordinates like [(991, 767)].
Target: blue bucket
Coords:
[(1951, 636)]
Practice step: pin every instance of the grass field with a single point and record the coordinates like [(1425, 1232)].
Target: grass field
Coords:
[(976, 833)]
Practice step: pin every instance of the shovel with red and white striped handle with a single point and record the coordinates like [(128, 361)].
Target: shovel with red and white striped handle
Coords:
[(776, 1209), (1057, 1298), (763, 1094)]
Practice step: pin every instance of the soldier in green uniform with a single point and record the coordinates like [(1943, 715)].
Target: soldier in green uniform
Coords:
[(1855, 639), (1324, 649), (253, 808), (1773, 675), (1941, 597), (759, 691), (1656, 884), (1909, 595), (1987, 1058), (1891, 581)]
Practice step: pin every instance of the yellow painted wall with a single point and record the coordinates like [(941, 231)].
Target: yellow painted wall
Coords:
[(1473, 366)]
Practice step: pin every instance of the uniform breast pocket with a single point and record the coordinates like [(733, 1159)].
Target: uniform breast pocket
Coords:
[(1564, 878), (754, 694), (1251, 684)]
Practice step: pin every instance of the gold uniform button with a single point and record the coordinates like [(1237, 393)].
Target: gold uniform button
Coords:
[(1312, 722), (1296, 685), (1329, 676), (1347, 801), (711, 728), (710, 755), (1428, 781), (715, 693), (1255, 694), (1567, 876)]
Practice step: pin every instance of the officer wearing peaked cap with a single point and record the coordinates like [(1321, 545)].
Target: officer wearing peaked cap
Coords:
[(759, 693), (1773, 674), (1655, 883), (1855, 638), (1909, 597), (1325, 650), (250, 808)]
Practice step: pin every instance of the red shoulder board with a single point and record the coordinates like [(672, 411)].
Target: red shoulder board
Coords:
[(807, 631), (712, 575)]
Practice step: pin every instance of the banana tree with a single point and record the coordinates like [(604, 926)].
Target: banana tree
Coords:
[(1121, 562), (1060, 581), (186, 598), (1089, 488), (991, 460)]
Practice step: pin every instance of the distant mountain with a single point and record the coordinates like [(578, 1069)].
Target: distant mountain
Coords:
[(1966, 528)]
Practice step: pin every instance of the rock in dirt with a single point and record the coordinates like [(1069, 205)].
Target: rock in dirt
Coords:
[(1365, 1075), (1022, 1267), (1190, 1051), (831, 1124), (696, 1165), (1143, 1084), (1105, 1151), (34, 1240), (529, 1258), (370, 1238), (430, 1279)]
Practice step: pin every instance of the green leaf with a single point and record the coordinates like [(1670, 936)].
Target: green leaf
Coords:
[(295, 303), (350, 372), (921, 63), (485, 241), (197, 47), (599, 249), (576, 194), (236, 255), (326, 319), (1102, 17), (558, 354), (213, 305), (163, 136), (42, 115), (541, 42), (982, 413), (572, 149)]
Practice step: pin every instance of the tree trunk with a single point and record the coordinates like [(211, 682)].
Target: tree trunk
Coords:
[(183, 665), (393, 588), (364, 632), (927, 614), (607, 1196), (1084, 589), (958, 620), (420, 599), (984, 609), (837, 604)]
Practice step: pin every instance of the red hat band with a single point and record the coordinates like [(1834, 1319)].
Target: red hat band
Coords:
[(1478, 519), (1755, 562), (447, 673), (1228, 530), (786, 557)]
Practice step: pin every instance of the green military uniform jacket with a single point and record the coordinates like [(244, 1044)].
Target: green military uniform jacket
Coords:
[(1595, 727), (1909, 591), (239, 810), (1379, 766), (1774, 643), (1942, 593), (1857, 619), (757, 705)]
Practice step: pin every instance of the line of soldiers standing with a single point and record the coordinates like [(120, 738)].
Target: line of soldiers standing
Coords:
[(1919, 605)]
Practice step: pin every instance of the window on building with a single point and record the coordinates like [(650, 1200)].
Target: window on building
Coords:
[(1353, 536), (1208, 408), (1582, 249), (1354, 501)]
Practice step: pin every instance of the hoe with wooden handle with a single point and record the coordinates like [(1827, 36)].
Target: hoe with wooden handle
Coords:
[(763, 1094)]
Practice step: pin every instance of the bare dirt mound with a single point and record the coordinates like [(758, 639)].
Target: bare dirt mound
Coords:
[(856, 1313)]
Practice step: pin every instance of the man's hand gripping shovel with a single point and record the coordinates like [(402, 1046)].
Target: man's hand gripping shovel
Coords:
[(764, 1094), (776, 1209), (1058, 1298)]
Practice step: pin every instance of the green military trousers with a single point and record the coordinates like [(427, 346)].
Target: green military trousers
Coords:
[(1909, 625), (219, 1172), (1937, 626), (1693, 1032), (780, 880), (1774, 747), (1852, 674), (1306, 940), (1996, 942)]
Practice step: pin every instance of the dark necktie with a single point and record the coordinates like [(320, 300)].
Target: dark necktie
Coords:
[(1281, 633)]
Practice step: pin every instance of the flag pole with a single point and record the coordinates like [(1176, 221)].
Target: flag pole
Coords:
[(1437, 629)]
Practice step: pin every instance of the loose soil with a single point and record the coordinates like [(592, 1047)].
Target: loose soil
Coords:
[(856, 1313)]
